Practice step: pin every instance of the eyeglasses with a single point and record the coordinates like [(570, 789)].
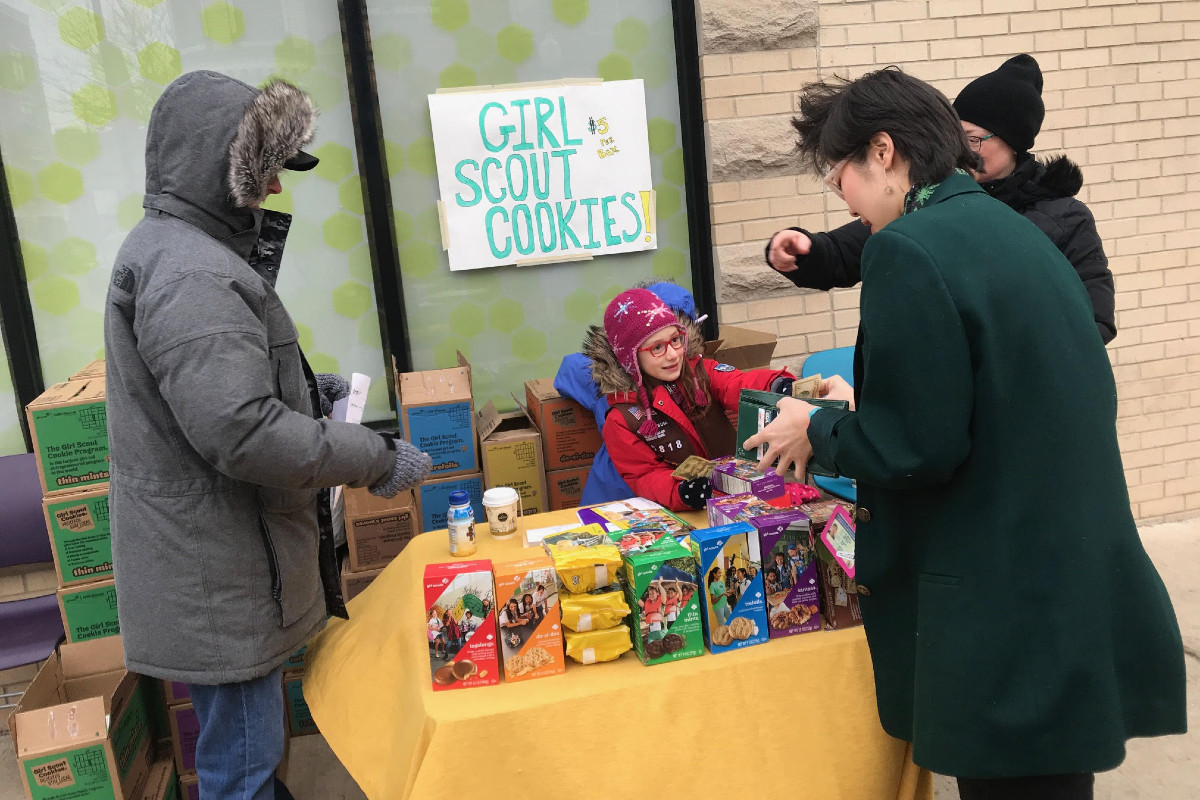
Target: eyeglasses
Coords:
[(659, 350), (976, 141), (832, 177)]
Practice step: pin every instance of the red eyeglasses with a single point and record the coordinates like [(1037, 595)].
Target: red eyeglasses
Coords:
[(659, 350)]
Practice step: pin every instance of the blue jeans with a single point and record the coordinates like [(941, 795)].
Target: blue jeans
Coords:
[(241, 738)]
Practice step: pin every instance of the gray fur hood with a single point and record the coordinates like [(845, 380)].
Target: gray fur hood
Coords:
[(608, 375), (213, 145)]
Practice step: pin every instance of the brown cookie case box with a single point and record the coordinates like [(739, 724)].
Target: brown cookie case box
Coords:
[(835, 572), (82, 728), (460, 625), (530, 619), (570, 437), (666, 624), (731, 583)]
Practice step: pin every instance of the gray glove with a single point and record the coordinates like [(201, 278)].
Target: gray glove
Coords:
[(411, 467), (332, 387)]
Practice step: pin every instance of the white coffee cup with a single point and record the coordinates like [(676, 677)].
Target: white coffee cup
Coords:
[(502, 505)]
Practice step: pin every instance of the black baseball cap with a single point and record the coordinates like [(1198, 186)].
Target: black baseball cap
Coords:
[(301, 162)]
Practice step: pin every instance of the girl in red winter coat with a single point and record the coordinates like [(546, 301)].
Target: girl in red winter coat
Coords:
[(666, 402)]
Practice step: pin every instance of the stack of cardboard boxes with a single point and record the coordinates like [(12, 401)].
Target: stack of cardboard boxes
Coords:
[(570, 440), (543, 449), (299, 718), (437, 415), (68, 425), (85, 729), (377, 529), (511, 449), (183, 726), (184, 729)]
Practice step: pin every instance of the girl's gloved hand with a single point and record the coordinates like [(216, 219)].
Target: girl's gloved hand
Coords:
[(695, 492)]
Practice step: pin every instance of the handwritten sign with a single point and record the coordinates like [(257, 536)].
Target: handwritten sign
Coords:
[(543, 173)]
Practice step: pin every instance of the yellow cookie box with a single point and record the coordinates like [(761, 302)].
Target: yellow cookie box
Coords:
[(593, 612), (582, 569), (595, 646)]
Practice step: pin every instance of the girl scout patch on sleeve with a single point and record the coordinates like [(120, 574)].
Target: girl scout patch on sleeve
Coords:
[(724, 368)]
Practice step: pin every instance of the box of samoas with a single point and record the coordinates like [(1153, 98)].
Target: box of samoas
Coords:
[(735, 610), (662, 590)]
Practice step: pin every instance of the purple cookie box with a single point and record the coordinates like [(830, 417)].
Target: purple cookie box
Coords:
[(772, 529), (726, 478)]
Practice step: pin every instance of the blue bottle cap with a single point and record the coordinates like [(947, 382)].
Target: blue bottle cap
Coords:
[(459, 498)]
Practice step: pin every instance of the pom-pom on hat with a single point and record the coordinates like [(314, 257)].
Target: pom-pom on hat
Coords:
[(1007, 102), (631, 318)]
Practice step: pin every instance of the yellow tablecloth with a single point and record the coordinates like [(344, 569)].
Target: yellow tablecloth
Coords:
[(792, 717)]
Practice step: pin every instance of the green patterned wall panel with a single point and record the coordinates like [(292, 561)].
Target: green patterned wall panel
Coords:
[(77, 83), (517, 323)]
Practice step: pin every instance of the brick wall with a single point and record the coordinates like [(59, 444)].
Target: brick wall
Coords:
[(1122, 95)]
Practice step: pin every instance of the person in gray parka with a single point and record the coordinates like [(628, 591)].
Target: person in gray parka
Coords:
[(222, 535)]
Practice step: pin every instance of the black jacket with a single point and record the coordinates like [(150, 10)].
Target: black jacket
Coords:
[(1044, 193)]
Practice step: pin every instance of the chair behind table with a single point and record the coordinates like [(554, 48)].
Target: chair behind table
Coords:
[(827, 363), (32, 626)]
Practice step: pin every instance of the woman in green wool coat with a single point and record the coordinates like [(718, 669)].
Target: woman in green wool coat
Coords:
[(1018, 630)]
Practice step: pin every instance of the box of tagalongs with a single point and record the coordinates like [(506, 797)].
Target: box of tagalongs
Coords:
[(734, 609), (835, 572), (460, 624), (531, 638), (661, 588), (789, 573)]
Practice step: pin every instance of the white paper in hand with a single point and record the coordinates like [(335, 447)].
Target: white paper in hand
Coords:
[(350, 409)]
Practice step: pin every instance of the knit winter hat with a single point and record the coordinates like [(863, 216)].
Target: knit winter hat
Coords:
[(631, 318), (1007, 102)]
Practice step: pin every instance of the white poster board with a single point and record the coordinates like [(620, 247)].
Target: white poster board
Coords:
[(543, 173)]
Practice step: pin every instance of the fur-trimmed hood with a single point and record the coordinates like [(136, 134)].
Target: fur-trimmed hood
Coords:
[(213, 145), (608, 375), (1035, 180), (276, 126)]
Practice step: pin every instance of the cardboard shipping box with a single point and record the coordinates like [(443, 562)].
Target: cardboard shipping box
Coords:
[(185, 732), (70, 435), (79, 535), (354, 583), (175, 692), (299, 718), (437, 415), (94, 369), (433, 499), (162, 783), (81, 730), (89, 611), (189, 787), (378, 528), (570, 437), (565, 487), (296, 660), (511, 449), (742, 348)]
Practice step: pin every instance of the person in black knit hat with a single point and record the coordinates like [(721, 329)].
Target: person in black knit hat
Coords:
[(1007, 102), (1001, 113)]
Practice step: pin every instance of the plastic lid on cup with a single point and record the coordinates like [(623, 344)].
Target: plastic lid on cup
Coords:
[(459, 498), (500, 496)]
